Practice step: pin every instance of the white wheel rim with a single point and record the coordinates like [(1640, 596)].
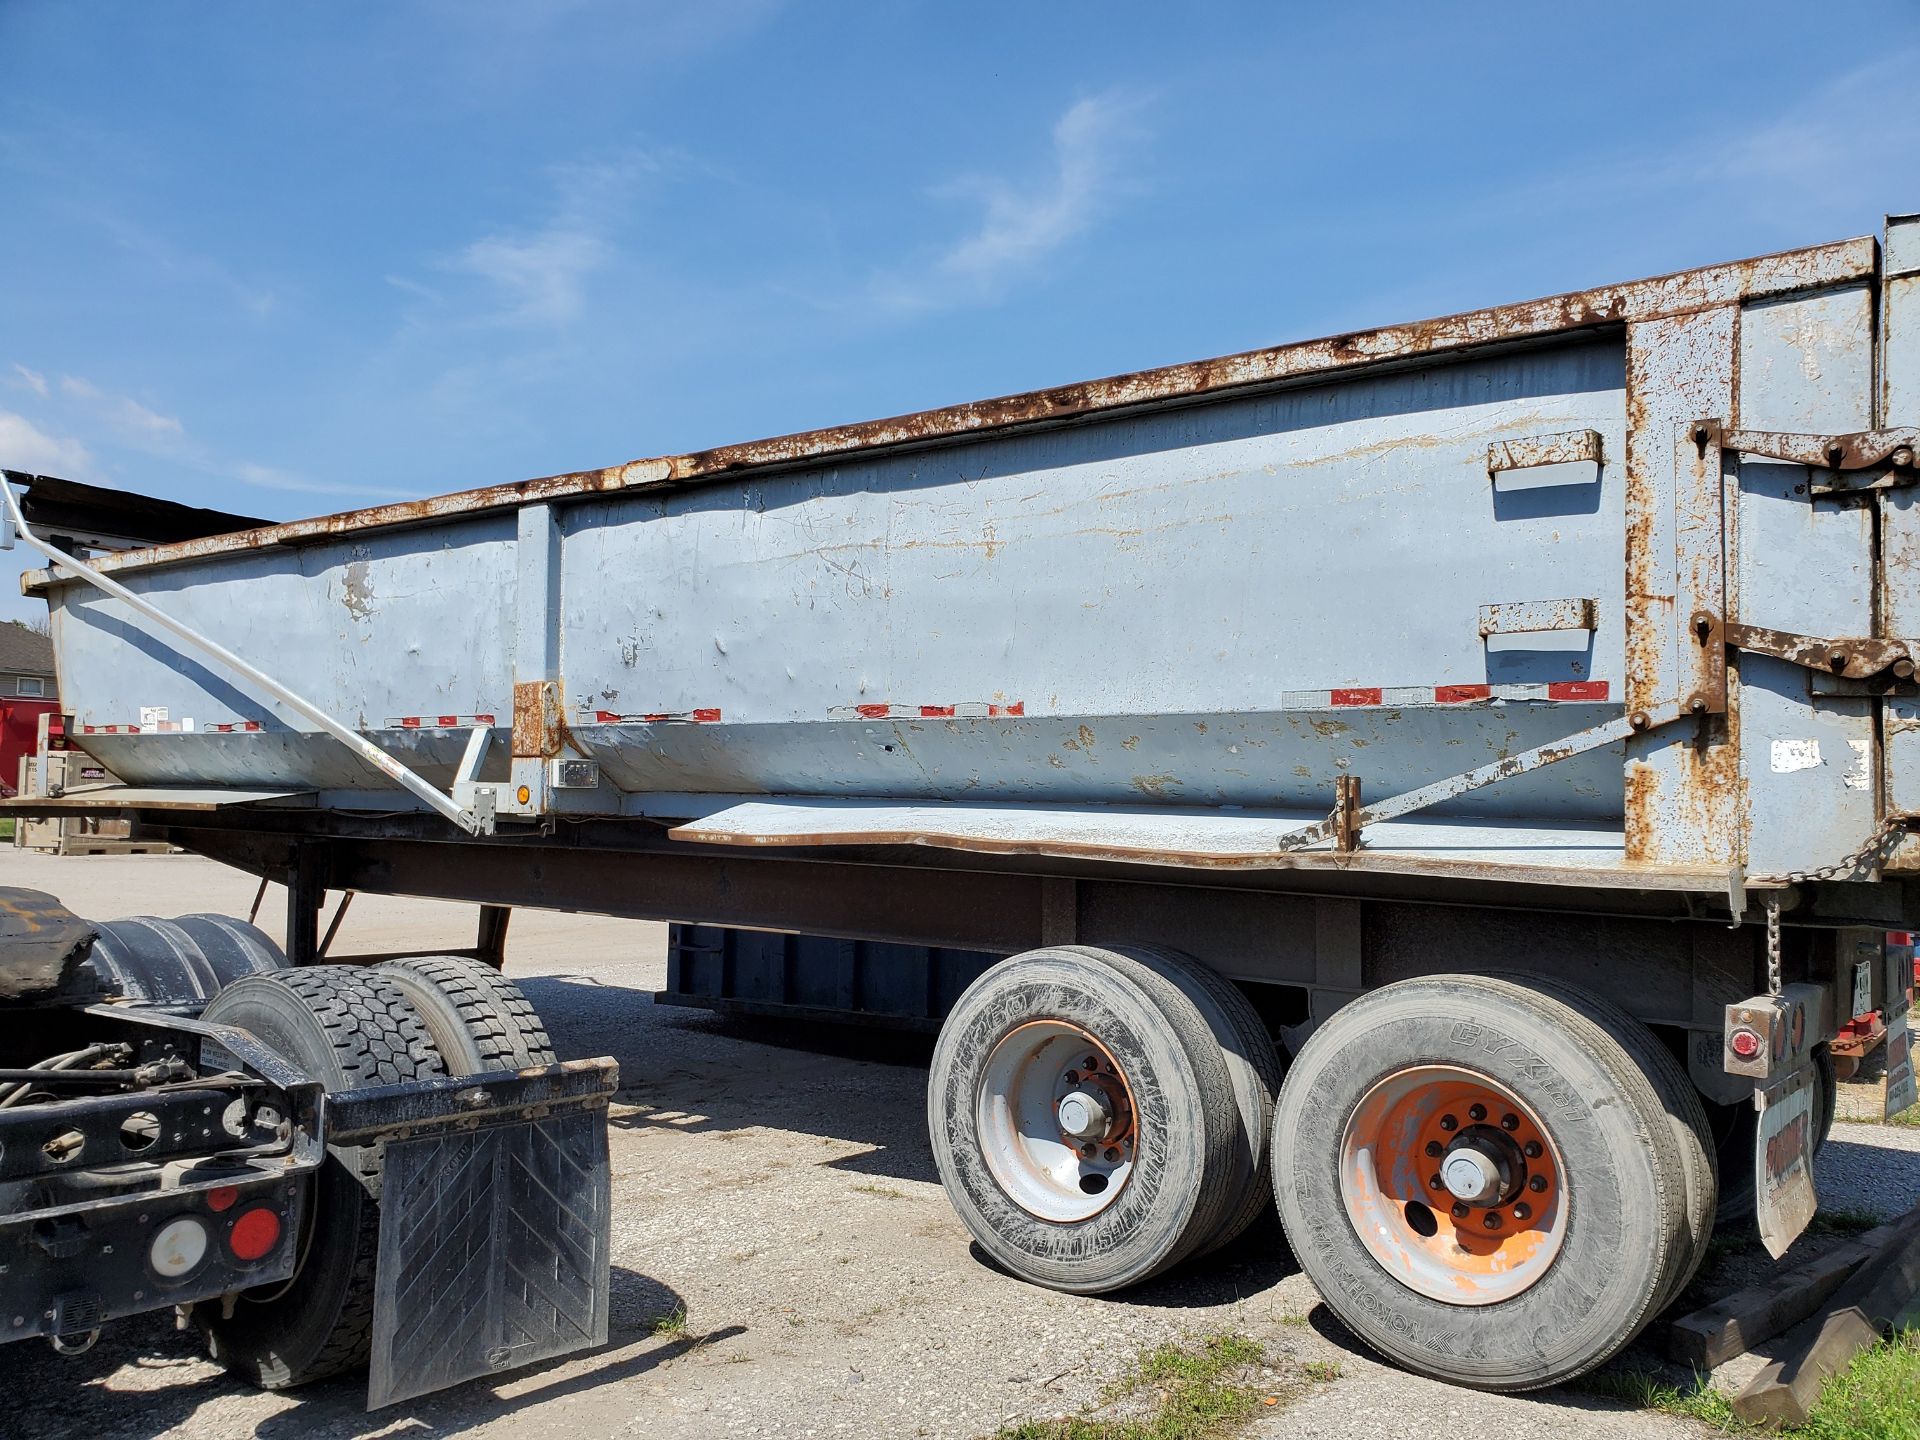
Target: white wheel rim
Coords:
[(1050, 1173)]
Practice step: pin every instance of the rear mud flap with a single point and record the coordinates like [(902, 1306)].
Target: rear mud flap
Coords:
[(494, 1251), (1783, 1158)]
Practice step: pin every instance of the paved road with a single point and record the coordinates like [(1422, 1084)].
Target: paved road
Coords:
[(780, 1191)]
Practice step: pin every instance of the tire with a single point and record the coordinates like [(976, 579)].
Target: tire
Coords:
[(1586, 1271), (178, 964), (477, 1017), (350, 1029), (1686, 1116), (1172, 1190), (1254, 1070)]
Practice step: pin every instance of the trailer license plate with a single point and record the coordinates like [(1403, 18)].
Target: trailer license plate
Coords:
[(1899, 1084)]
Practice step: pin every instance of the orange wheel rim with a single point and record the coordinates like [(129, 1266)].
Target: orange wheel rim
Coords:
[(1454, 1185)]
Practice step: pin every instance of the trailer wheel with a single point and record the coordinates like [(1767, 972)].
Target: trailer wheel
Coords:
[(478, 1018), (1083, 1119), (350, 1029), (1686, 1116), (1254, 1070), (1481, 1179)]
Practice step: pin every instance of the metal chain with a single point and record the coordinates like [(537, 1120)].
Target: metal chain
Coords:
[(1773, 944), (1873, 853)]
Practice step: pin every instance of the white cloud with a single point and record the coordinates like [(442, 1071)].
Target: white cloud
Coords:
[(538, 276), (1021, 225), (133, 422), (25, 446), (32, 379)]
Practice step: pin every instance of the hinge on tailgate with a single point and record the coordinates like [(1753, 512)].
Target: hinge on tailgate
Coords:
[(1852, 658), (1840, 464)]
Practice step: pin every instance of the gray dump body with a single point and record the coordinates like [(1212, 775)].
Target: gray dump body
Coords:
[(1151, 619)]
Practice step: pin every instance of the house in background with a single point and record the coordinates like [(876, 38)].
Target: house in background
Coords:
[(26, 664)]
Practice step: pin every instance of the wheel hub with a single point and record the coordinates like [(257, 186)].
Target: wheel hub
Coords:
[(1482, 1167), (1056, 1121), (1453, 1185), (1083, 1115)]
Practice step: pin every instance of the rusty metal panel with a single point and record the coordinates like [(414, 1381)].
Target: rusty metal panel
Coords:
[(1682, 792), (1806, 565), (1900, 512)]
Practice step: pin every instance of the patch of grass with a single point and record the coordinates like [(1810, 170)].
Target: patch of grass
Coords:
[(673, 1323), (1877, 1397), (1198, 1390), (6, 828), (1695, 1401), (1322, 1371), (885, 1192)]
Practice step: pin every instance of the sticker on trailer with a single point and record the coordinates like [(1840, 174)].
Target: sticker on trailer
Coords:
[(1783, 1159), (1898, 1095), (152, 717)]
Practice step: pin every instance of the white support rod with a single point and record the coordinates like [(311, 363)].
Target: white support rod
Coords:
[(353, 740)]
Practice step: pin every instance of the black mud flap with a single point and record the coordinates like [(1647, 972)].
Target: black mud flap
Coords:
[(494, 1249)]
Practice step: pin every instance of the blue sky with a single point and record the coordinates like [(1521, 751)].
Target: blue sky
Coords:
[(292, 258)]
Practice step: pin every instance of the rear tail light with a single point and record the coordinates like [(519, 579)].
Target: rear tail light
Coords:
[(178, 1247), (254, 1234), (1744, 1042), (222, 1197)]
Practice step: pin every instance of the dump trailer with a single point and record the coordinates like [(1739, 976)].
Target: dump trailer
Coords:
[(1450, 780)]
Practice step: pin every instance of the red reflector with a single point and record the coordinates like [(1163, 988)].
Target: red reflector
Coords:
[(1744, 1043), (254, 1234), (222, 1198)]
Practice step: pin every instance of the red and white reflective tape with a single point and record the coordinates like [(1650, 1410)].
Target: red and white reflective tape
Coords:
[(438, 722), (965, 710), (238, 727), (109, 729), (1365, 697), (656, 717)]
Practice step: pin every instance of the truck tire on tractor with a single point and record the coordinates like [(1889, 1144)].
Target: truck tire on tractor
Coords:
[(479, 1019), (1483, 1180), (350, 1029)]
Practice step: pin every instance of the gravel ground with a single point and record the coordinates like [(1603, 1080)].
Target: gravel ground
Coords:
[(774, 1183)]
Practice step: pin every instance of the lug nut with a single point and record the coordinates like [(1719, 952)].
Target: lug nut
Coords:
[(1447, 1122), (1435, 1148), (1492, 1222), (1523, 1211), (1536, 1183), (1459, 1211), (1112, 1154), (1476, 1112), (1073, 1077), (1089, 1149), (1434, 1182), (1093, 1062), (1531, 1149), (1509, 1122)]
